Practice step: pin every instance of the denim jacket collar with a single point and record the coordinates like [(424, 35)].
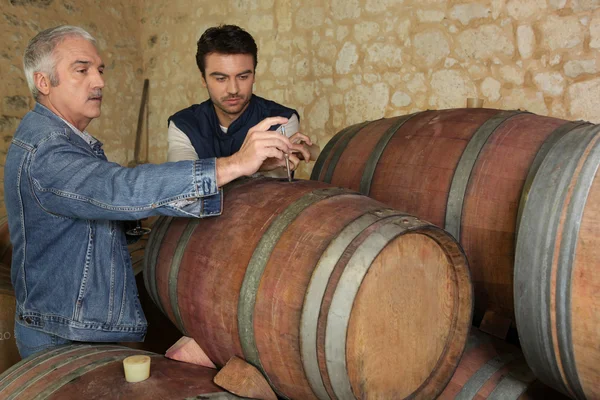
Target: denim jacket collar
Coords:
[(45, 111)]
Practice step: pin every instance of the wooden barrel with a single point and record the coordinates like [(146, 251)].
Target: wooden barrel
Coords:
[(329, 293), (557, 276), (465, 170), (9, 354), (96, 372), (493, 369)]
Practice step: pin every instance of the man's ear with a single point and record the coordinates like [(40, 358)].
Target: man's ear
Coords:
[(42, 82), (203, 80)]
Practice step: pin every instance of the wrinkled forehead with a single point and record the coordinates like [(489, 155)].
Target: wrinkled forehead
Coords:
[(74, 48)]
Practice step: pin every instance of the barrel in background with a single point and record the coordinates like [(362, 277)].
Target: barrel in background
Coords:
[(465, 170), (493, 369), (330, 293), (96, 372), (557, 275)]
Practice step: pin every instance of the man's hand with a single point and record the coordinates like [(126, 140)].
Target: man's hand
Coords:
[(298, 152), (260, 144)]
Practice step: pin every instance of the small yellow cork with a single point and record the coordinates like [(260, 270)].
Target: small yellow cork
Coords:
[(137, 368)]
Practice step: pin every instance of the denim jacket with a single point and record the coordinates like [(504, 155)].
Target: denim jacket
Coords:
[(71, 269)]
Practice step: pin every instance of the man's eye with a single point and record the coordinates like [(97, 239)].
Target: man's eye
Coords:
[(101, 71), (242, 77), (82, 71), (220, 79)]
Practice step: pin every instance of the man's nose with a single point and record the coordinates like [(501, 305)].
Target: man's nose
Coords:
[(232, 87), (97, 80)]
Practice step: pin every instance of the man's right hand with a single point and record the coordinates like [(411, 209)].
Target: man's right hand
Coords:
[(259, 145)]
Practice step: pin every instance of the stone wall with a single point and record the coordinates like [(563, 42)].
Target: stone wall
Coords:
[(340, 62), (115, 26)]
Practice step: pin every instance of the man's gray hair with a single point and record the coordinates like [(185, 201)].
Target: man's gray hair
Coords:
[(39, 54)]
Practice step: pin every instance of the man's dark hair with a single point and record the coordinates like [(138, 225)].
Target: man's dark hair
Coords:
[(225, 39)]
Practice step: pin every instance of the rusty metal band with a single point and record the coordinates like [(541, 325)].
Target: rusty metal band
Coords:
[(174, 272), (338, 316), (483, 374), (315, 292), (367, 177), (257, 265), (341, 147), (462, 174), (26, 364), (63, 380), (318, 167), (91, 350), (151, 259), (537, 162), (534, 256)]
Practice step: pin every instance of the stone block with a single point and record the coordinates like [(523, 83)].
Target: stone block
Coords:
[(366, 102), (551, 83), (525, 41), (365, 31), (469, 11), (347, 58), (431, 47), (384, 55), (490, 88), (561, 32), (523, 9), (401, 99), (584, 100), (484, 42), (450, 89), (574, 68)]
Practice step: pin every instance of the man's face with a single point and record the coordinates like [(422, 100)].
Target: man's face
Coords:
[(229, 80), (78, 96)]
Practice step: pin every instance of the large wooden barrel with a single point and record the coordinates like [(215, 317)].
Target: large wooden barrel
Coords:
[(493, 369), (96, 372), (9, 354), (329, 293), (557, 267), (465, 170)]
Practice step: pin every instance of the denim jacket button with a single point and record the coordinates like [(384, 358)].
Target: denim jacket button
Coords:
[(28, 320)]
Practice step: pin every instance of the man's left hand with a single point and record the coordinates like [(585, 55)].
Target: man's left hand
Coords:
[(298, 152)]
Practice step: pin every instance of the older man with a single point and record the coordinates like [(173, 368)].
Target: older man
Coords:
[(71, 270)]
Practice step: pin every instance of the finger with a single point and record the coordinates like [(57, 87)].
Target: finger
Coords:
[(300, 148), (299, 138), (266, 123), (276, 141), (272, 152), (294, 162)]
